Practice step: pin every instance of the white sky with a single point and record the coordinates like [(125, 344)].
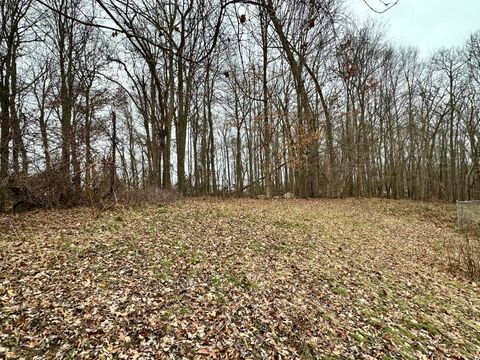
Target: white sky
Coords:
[(425, 24)]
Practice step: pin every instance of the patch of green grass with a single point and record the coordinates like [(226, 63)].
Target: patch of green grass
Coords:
[(163, 277), (110, 224), (161, 210), (406, 333), (474, 325), (70, 247), (191, 273), (106, 279), (165, 263), (427, 326), (161, 271), (359, 336), (420, 347), (339, 290), (217, 286), (195, 258), (216, 282), (241, 281), (257, 246), (281, 248), (127, 246), (424, 299), (383, 309), (306, 353), (375, 321), (67, 245), (185, 310), (287, 224), (394, 334), (406, 353)]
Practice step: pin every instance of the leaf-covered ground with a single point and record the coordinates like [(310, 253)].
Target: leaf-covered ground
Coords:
[(359, 279)]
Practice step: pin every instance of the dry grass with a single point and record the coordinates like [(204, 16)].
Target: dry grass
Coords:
[(237, 279)]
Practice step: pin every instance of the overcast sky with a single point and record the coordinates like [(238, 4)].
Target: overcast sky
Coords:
[(425, 24)]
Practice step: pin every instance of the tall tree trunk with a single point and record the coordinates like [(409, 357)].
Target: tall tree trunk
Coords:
[(266, 123), (113, 165), (5, 133), (306, 184), (211, 136)]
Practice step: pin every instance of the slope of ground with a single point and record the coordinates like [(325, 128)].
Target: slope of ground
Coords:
[(354, 278)]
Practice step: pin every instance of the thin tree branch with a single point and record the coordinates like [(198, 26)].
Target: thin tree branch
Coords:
[(387, 5)]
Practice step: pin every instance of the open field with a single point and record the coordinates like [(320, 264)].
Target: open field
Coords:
[(354, 278)]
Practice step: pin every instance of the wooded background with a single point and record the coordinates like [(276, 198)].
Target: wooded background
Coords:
[(245, 97)]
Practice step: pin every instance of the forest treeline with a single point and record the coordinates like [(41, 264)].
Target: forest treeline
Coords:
[(215, 96)]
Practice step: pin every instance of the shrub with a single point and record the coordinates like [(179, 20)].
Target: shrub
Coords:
[(48, 189), (45, 189), (469, 255)]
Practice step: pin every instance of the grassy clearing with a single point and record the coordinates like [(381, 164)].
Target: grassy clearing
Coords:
[(355, 278)]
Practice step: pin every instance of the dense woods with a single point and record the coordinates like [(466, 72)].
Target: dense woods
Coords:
[(111, 110), (240, 97)]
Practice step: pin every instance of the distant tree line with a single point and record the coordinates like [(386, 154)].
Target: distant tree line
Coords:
[(244, 97)]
